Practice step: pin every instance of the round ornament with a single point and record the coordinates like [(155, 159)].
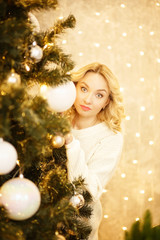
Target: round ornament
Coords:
[(21, 198), (77, 201), (8, 157), (62, 97), (58, 141), (14, 78), (36, 52)]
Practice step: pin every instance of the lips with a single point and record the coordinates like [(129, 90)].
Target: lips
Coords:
[(85, 108)]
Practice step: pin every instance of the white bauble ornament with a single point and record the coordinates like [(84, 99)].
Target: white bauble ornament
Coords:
[(58, 141), (62, 97), (21, 198), (36, 52), (8, 157), (14, 78), (77, 201)]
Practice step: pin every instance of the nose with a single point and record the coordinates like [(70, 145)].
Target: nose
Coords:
[(88, 98)]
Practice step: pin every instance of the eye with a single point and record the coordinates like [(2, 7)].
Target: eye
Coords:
[(99, 95), (83, 89)]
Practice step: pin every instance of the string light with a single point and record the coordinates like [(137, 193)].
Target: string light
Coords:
[(105, 216), (124, 34), (141, 53), (151, 33), (104, 190), (150, 199), (140, 27), (142, 79), (96, 44), (124, 228), (151, 142), (107, 21), (150, 172), (142, 191), (142, 108), (27, 67), (135, 161), (61, 17), (123, 175), (80, 54), (151, 117), (64, 41), (18, 162), (97, 14), (158, 60), (121, 89), (109, 47), (123, 5), (137, 219), (128, 65), (128, 117), (21, 175), (137, 134), (80, 32), (158, 4), (125, 198)]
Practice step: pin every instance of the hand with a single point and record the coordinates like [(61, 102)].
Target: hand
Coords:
[(68, 138)]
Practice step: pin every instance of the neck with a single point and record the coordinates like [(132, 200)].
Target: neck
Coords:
[(80, 122)]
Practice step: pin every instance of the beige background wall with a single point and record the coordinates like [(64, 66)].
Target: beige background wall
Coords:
[(124, 35)]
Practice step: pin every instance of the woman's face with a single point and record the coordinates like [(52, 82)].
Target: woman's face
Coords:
[(92, 95)]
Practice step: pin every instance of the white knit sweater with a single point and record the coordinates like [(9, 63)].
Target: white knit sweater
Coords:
[(93, 154)]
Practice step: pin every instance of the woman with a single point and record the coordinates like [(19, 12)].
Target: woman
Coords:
[(95, 144)]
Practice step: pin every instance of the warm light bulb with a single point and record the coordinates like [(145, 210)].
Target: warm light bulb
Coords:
[(107, 21), (79, 32), (64, 41), (140, 27), (151, 33), (124, 228), (123, 5), (142, 191), (143, 108), (124, 34), (121, 89), (150, 199), (137, 219), (125, 198), (158, 4), (128, 65), (123, 175), (18, 162), (128, 117), (151, 142), (21, 175), (105, 216), (151, 117), (135, 161), (97, 14), (61, 17), (96, 44), (141, 53), (43, 88), (27, 67), (80, 54), (150, 172), (109, 47), (137, 134), (104, 190), (141, 79), (158, 60)]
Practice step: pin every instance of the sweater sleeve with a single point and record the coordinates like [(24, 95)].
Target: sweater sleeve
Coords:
[(101, 165)]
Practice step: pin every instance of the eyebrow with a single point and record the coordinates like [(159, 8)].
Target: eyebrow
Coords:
[(97, 89)]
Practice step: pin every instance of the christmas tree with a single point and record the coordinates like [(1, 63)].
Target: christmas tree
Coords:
[(36, 199), (143, 230)]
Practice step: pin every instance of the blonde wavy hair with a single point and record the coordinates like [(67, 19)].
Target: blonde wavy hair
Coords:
[(113, 113)]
